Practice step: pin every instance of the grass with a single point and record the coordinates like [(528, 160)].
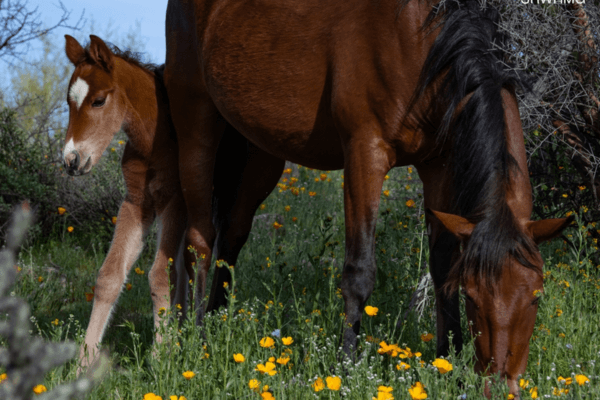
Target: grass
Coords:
[(286, 285)]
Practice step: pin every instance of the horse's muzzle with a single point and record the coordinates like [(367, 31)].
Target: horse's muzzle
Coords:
[(73, 165)]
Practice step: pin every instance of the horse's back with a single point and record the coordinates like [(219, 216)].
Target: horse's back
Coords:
[(294, 77)]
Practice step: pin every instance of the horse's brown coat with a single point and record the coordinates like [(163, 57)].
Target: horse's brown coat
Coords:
[(130, 99)]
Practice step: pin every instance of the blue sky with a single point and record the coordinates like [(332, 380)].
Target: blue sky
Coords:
[(121, 15)]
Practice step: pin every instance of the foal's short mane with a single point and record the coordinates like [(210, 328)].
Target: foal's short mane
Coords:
[(466, 58), (129, 56)]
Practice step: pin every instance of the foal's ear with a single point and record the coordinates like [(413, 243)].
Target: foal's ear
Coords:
[(100, 53), (547, 229), (460, 227), (75, 53)]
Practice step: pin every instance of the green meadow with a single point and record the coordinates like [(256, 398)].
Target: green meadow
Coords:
[(280, 336)]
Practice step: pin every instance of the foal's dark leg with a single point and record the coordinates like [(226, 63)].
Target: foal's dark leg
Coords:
[(447, 306), (364, 173), (244, 177)]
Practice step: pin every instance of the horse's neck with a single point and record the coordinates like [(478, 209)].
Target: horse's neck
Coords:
[(142, 107), (519, 192)]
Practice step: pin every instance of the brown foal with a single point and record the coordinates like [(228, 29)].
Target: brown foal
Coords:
[(109, 92)]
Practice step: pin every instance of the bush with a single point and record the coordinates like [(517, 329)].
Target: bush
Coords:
[(31, 170)]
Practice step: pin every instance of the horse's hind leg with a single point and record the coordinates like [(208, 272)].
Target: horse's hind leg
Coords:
[(244, 177), (366, 164), (172, 224), (199, 129)]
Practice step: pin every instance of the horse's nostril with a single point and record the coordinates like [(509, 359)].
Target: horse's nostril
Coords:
[(72, 160)]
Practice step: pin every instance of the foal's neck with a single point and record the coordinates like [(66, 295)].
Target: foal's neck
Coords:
[(141, 122)]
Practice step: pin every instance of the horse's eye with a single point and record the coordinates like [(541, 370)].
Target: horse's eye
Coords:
[(99, 102), (535, 302)]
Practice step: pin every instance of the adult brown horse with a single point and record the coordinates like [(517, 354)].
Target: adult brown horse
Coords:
[(366, 86), (111, 90)]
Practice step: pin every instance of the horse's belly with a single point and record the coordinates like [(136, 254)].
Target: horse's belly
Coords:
[(267, 76)]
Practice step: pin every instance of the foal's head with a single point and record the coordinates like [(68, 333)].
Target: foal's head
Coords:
[(97, 104), (502, 308)]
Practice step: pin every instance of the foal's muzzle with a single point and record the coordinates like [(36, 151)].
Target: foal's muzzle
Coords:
[(73, 164)]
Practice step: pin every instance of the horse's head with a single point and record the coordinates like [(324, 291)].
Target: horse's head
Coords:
[(502, 315), (96, 104)]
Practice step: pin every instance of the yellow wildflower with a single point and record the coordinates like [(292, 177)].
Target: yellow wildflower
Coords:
[(239, 358), (333, 382), (318, 385), (566, 381), (534, 392), (417, 391), (70, 229), (384, 393), (139, 271), (267, 368), (581, 379), (38, 389), (371, 311), (188, 375), (267, 396), (406, 353), (267, 342), (283, 360), (3, 377), (523, 383), (114, 220), (128, 286), (442, 365), (402, 366), (61, 210), (253, 384), (410, 203), (389, 349), (151, 396), (287, 340), (55, 322), (426, 337), (177, 398)]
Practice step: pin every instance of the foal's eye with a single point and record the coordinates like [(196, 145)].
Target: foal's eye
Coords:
[(535, 302), (99, 102)]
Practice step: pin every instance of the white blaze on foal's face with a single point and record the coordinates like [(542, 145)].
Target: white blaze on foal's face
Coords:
[(78, 92)]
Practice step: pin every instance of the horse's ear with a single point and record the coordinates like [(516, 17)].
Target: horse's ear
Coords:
[(460, 227), (100, 53), (75, 53), (547, 229)]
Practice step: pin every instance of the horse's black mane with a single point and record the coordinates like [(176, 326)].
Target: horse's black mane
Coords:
[(467, 57)]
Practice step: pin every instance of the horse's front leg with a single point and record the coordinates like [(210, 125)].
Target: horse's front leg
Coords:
[(132, 223), (366, 163), (443, 248)]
